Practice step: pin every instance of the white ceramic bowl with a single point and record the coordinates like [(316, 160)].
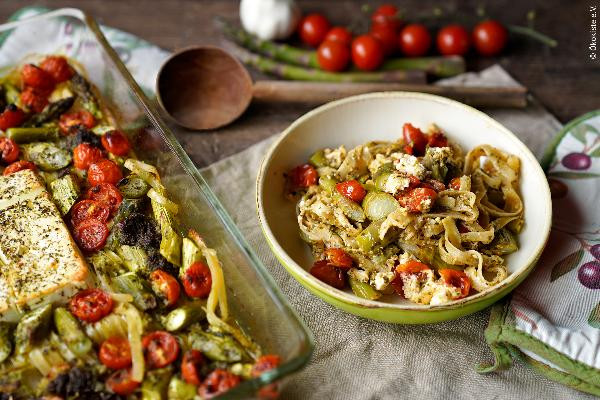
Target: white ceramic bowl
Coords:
[(380, 116)]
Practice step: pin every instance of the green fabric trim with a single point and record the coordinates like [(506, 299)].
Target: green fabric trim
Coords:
[(493, 333)]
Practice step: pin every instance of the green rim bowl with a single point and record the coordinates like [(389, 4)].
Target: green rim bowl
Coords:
[(380, 116)]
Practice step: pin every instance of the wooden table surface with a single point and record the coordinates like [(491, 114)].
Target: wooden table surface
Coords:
[(564, 79)]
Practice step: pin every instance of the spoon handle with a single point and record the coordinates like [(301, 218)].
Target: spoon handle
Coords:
[(322, 92)]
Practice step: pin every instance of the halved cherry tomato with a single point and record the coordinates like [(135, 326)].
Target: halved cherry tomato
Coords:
[(9, 150), (120, 382), (454, 184), (367, 52), (302, 176), (437, 139), (160, 349), (408, 149), (191, 364), (91, 234), (386, 36), (329, 274), (333, 55), (197, 280), (116, 142), (89, 209), (11, 116), (69, 120), (415, 138), (57, 67), (411, 267), (457, 279), (115, 353), (416, 199), (313, 28), (387, 15), (490, 37), (266, 363), (19, 166), (166, 285), (352, 190), (84, 154), (414, 40), (104, 171), (91, 305), (35, 77), (339, 34), (107, 194), (34, 99), (453, 40), (218, 382), (338, 258)]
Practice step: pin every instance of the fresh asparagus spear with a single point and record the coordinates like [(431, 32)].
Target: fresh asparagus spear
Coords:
[(27, 135)]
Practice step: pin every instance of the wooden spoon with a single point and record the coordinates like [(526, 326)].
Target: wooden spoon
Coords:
[(205, 87)]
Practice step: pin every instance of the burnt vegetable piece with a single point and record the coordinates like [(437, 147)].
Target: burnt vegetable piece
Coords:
[(139, 230), (84, 135), (51, 112), (157, 261), (128, 207), (79, 383)]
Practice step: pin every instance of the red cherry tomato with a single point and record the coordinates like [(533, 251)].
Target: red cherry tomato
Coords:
[(89, 209), (58, 68), (387, 15), (115, 353), (367, 52), (91, 305), (116, 142), (454, 184), (104, 171), (416, 197), (338, 258), (453, 40), (91, 234), (166, 285), (415, 138), (84, 154), (218, 382), (19, 166), (352, 190), (387, 36), (457, 279), (107, 194), (263, 364), (302, 176), (333, 55), (68, 120), (339, 34), (414, 40), (34, 99), (160, 348), (120, 382), (191, 364), (37, 78), (329, 274), (437, 139), (11, 116), (313, 28), (197, 280), (490, 37), (9, 150)]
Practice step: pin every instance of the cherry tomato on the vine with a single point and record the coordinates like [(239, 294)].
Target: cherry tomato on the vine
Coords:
[(489, 38), (453, 40), (414, 40), (367, 52), (387, 36), (387, 15), (333, 55), (313, 28), (339, 34)]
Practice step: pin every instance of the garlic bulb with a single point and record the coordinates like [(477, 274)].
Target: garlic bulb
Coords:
[(269, 19)]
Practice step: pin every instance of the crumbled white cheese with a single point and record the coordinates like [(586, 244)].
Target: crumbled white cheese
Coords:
[(409, 165), (381, 280), (426, 204), (335, 157), (395, 183), (359, 274)]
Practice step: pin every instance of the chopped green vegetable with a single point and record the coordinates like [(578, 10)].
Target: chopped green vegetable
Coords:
[(83, 89), (134, 258), (138, 288), (133, 187), (318, 159), (6, 345), (369, 236), (328, 183), (70, 331), (11, 93), (65, 192), (349, 208), (156, 383), (429, 256), (127, 207), (505, 242), (184, 316), (190, 253), (28, 135), (378, 205), (216, 346), (363, 289), (47, 156), (32, 327), (180, 390)]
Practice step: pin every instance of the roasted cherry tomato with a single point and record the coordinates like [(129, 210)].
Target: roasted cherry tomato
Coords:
[(69, 120), (11, 116), (35, 77), (107, 194), (160, 349), (115, 353), (453, 40), (116, 142), (19, 166), (454, 184), (91, 305), (9, 150), (217, 382), (91, 234), (411, 267), (120, 382), (416, 200), (191, 364), (166, 285), (338, 258), (387, 36), (387, 15), (414, 40), (415, 138), (457, 279), (84, 154), (89, 209), (329, 274), (302, 176), (197, 280), (489, 38), (437, 139), (263, 364), (333, 55), (339, 34), (34, 99), (58, 68), (313, 28), (367, 52), (352, 190), (104, 171)]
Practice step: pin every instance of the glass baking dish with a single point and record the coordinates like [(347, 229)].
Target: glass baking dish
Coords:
[(255, 301)]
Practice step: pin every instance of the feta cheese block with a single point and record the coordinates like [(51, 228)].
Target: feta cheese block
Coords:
[(40, 263)]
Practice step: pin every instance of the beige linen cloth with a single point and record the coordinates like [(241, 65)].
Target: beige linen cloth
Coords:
[(356, 358)]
